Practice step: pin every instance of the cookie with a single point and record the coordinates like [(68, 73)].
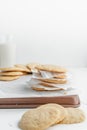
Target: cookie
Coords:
[(21, 66), (15, 69), (8, 78), (74, 115), (32, 65), (58, 107), (46, 74), (51, 85), (46, 84), (52, 80), (60, 76), (11, 73), (39, 87), (40, 118), (51, 68)]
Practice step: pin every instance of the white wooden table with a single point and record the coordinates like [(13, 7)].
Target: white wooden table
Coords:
[(9, 117)]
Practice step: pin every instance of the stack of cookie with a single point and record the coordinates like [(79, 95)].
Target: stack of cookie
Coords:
[(48, 77), (46, 74), (48, 115), (13, 73)]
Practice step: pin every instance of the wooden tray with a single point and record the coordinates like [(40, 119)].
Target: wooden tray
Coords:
[(32, 102)]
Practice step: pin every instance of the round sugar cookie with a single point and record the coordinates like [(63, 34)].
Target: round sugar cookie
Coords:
[(53, 80), (15, 69), (51, 68), (8, 78), (58, 107), (11, 73), (40, 118), (60, 76), (74, 115), (45, 88), (32, 65)]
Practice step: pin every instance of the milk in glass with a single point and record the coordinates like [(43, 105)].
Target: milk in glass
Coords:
[(7, 53)]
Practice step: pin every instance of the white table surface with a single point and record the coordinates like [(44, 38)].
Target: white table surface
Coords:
[(9, 117)]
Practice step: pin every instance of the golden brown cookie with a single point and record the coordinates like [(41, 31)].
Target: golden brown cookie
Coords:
[(58, 107), (15, 69), (74, 115), (39, 87), (40, 118), (51, 68), (60, 76), (21, 66), (32, 65), (52, 80), (46, 84), (11, 73), (8, 78), (50, 85)]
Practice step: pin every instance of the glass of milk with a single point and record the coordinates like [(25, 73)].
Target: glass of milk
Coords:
[(7, 52)]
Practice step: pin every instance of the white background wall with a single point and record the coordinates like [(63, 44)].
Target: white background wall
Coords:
[(47, 31)]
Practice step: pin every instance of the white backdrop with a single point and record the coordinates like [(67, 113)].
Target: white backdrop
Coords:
[(47, 31)]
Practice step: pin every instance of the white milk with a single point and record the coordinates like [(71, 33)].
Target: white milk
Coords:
[(7, 55)]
